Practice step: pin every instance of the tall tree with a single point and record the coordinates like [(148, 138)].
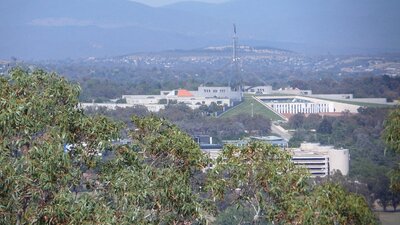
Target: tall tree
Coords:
[(391, 136), (40, 178), (392, 130), (263, 178), (325, 127), (57, 166)]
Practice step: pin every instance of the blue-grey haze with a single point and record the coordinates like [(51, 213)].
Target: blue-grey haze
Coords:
[(54, 29), (167, 2)]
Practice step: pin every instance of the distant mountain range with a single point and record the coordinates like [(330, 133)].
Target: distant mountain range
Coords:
[(56, 29)]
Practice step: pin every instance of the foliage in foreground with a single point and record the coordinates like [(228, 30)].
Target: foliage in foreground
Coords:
[(158, 179), (391, 136), (263, 178), (44, 182)]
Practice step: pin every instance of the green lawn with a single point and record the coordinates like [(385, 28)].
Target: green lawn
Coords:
[(389, 218), (245, 107)]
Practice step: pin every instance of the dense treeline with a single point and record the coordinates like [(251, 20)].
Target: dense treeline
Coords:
[(391, 136), (360, 133), (198, 121), (220, 128), (105, 80), (101, 89), (361, 87), (57, 166)]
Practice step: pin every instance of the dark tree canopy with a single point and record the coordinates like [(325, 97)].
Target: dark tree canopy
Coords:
[(162, 177), (325, 127)]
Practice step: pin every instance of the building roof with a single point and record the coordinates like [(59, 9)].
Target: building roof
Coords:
[(266, 138), (184, 93)]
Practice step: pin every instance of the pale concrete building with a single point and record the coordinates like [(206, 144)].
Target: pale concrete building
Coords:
[(320, 160), (308, 105), (222, 96), (218, 92), (189, 98)]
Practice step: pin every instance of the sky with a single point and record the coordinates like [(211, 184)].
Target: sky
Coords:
[(166, 2), (84, 28)]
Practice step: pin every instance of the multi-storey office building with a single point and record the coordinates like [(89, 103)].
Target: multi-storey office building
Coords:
[(320, 160)]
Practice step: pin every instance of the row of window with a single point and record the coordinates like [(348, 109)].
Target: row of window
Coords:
[(214, 91), (296, 108), (258, 90)]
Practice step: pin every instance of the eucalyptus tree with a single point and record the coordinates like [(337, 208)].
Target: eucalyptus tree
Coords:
[(53, 170), (39, 180), (159, 178), (391, 135), (263, 178), (392, 130), (57, 166)]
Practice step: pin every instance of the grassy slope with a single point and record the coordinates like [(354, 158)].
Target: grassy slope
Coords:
[(245, 107)]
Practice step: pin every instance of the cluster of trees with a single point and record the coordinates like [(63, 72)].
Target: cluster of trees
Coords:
[(102, 81), (119, 114), (161, 178), (361, 134), (391, 136), (101, 89), (198, 121)]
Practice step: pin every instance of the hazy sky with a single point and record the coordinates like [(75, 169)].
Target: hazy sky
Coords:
[(60, 29), (165, 2)]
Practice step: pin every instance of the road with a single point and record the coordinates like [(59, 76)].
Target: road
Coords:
[(280, 131)]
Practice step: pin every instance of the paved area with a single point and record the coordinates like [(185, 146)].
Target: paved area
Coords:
[(280, 131)]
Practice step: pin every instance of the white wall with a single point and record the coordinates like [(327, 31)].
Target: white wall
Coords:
[(339, 160)]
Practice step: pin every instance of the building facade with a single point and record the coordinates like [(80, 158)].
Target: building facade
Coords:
[(218, 92), (293, 104), (189, 98), (320, 160)]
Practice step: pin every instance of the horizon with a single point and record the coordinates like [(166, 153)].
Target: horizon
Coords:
[(80, 29)]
